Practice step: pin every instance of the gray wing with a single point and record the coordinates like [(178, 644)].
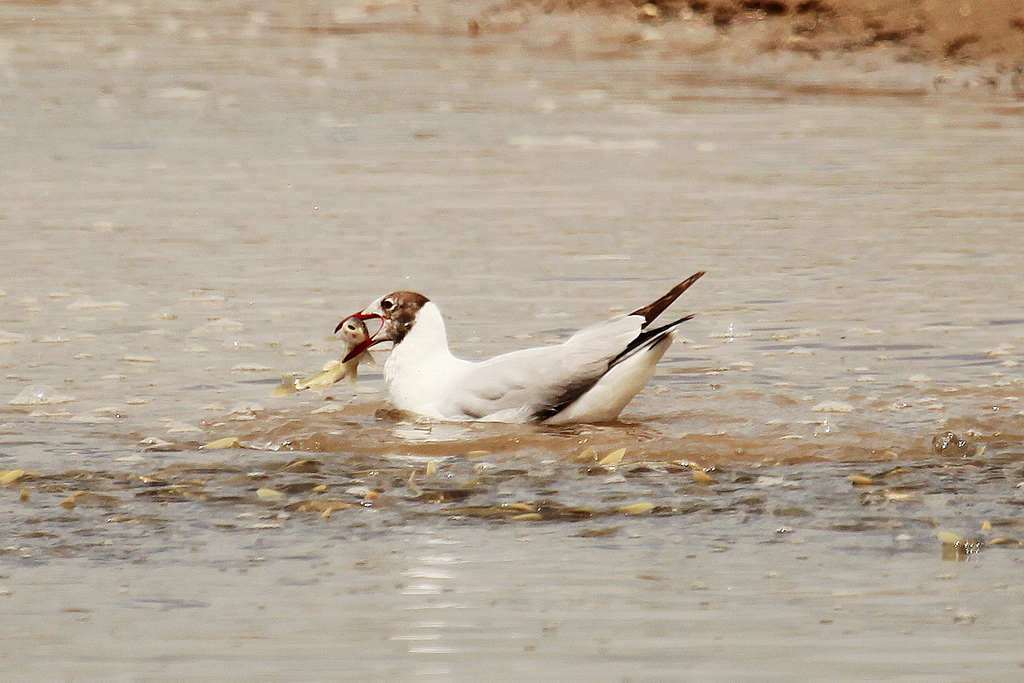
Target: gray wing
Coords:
[(539, 383), (542, 381)]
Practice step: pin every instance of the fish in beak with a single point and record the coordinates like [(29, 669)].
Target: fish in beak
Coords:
[(357, 340), (397, 313), (366, 342)]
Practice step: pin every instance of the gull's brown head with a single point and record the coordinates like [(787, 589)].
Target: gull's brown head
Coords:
[(397, 314)]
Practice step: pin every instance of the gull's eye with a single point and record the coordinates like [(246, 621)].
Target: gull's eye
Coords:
[(387, 304)]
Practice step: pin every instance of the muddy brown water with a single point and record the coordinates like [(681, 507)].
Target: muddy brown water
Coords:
[(192, 198)]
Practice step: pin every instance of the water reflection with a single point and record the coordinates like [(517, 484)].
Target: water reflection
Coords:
[(431, 600), (432, 432)]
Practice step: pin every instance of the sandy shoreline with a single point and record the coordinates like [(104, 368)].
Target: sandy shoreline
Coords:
[(918, 30), (977, 45)]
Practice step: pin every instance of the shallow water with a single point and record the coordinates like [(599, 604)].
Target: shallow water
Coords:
[(191, 202)]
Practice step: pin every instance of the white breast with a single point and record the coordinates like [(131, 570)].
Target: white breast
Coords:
[(421, 372)]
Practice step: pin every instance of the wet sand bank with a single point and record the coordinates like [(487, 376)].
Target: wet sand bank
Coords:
[(914, 31)]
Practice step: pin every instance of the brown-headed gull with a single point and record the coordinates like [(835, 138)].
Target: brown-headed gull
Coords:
[(590, 377)]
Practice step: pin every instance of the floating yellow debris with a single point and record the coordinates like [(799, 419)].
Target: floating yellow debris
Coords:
[(90, 499), (360, 491), (325, 506), (520, 511), (587, 454), (962, 543), (269, 494), (527, 517), (138, 359), (25, 495), (226, 442), (635, 509), (431, 468), (899, 496), (702, 478), (986, 526), (477, 454), (613, 458), (861, 480), (1003, 540), (950, 538), (481, 511), (302, 465), (11, 476), (319, 489), (413, 488), (956, 547)]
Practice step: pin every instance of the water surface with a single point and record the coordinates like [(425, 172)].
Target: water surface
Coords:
[(194, 197)]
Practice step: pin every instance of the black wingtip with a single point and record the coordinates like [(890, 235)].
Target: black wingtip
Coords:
[(653, 310), (650, 337)]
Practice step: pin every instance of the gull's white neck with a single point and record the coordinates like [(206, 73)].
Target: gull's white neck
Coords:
[(421, 367)]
